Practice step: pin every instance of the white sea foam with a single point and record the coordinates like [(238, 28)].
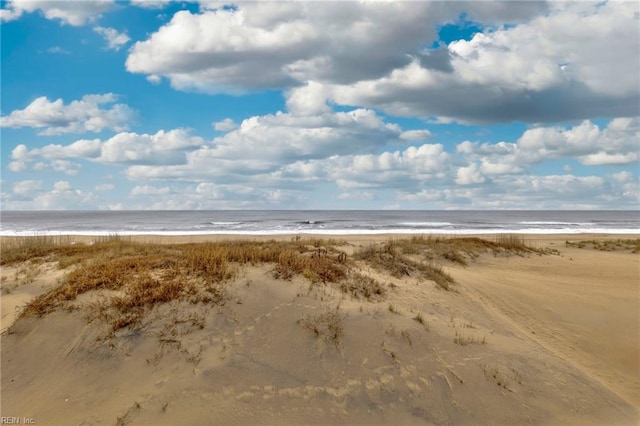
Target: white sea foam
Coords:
[(422, 224), (633, 231), (316, 222)]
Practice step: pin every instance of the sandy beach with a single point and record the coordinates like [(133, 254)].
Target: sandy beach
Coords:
[(377, 329)]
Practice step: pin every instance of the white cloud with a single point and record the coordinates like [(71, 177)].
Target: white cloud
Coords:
[(154, 79), (81, 148), (262, 144), (282, 44), (289, 160), (62, 196), (85, 115), (425, 195), (208, 195), (57, 154), (308, 100), (555, 67), (75, 13), (469, 175), (114, 39), (61, 186), (17, 166), (623, 176), (10, 14), (365, 195), (65, 166), (58, 50), (160, 148), (552, 63), (616, 144), (27, 186), (225, 125), (604, 158), (527, 191), (395, 170), (150, 4), (416, 135), (149, 190)]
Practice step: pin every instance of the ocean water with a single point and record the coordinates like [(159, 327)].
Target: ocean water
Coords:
[(346, 222)]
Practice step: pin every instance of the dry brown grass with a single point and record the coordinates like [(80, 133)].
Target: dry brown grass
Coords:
[(328, 325), (462, 249), (423, 256), (390, 257), (142, 276), (362, 286), (145, 275), (631, 245), (465, 339)]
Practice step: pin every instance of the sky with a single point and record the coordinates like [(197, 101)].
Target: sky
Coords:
[(159, 105)]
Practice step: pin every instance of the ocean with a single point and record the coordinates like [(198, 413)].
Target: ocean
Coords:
[(345, 222)]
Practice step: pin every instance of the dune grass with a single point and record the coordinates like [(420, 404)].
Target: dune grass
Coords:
[(389, 257), (327, 325), (423, 256), (631, 245), (139, 276)]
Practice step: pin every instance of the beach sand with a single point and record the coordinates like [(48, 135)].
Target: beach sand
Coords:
[(544, 339)]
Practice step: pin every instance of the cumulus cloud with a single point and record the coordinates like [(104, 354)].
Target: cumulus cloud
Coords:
[(225, 125), (75, 13), (308, 100), (162, 148), (58, 155), (415, 135), (27, 186), (526, 191), (59, 195), (85, 115), (211, 196), (614, 145), (150, 4), (278, 45), (469, 175), (115, 40), (552, 63), (65, 166), (81, 148), (282, 160), (407, 169), (262, 144), (548, 69), (149, 190)]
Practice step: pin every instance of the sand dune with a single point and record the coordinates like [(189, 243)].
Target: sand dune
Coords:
[(520, 339)]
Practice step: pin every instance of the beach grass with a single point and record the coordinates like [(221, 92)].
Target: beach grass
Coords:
[(327, 325), (619, 244), (140, 276)]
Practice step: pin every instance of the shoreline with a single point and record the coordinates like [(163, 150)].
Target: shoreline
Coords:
[(178, 238), (321, 233)]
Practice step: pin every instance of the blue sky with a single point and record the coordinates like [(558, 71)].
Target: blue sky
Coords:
[(313, 105)]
